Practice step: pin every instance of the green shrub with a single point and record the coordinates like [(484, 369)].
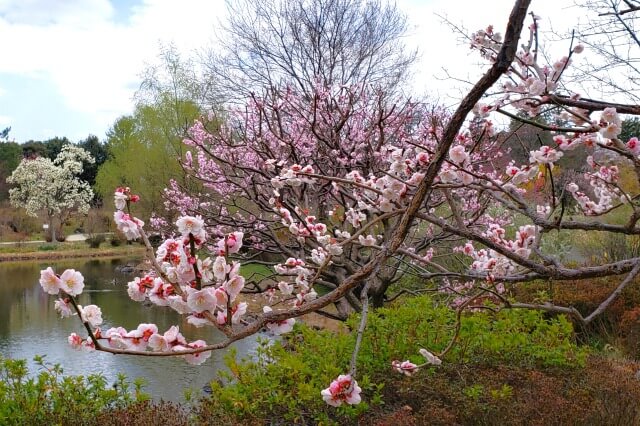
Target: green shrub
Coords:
[(117, 240), (285, 380), (46, 247), (52, 398), (523, 338), (94, 241)]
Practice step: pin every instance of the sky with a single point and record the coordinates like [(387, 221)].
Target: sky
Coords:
[(71, 67)]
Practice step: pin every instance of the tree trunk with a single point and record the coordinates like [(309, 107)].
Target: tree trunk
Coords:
[(344, 308), (52, 230), (377, 299)]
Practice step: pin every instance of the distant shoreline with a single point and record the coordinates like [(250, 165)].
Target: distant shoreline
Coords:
[(71, 254)]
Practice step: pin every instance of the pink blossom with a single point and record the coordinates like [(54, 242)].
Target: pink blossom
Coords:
[(92, 314), (633, 145), (178, 304), (545, 155), (233, 243), (63, 308), (448, 176), (482, 110), (342, 389), (116, 338), (75, 341), (202, 300), (220, 268), (280, 327), (128, 225), (190, 225), (120, 199), (611, 130), (285, 288), (160, 292), (88, 345), (196, 358), (206, 271), (234, 286), (221, 296), (71, 282), (171, 338), (49, 281), (198, 320), (137, 289), (147, 330), (369, 240), (610, 115), (405, 367)]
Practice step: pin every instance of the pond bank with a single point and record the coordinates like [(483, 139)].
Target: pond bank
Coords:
[(72, 253)]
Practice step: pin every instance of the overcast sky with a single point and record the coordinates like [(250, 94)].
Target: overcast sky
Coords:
[(70, 67)]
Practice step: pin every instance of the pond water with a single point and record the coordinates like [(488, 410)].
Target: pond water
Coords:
[(30, 326)]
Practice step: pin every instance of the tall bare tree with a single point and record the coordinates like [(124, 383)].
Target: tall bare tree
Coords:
[(265, 44), (611, 36)]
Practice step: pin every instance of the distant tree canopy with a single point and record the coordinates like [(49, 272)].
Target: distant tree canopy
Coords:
[(98, 151), (49, 148), (10, 156), (144, 150)]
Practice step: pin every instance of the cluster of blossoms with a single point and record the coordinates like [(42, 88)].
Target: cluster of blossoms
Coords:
[(206, 290), (70, 284), (528, 77), (70, 281), (491, 262), (146, 336), (127, 224), (300, 288), (530, 87), (603, 182)]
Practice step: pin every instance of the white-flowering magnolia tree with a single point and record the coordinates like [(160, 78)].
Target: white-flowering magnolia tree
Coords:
[(52, 188), (345, 190)]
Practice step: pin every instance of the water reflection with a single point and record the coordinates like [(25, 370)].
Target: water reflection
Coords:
[(30, 326)]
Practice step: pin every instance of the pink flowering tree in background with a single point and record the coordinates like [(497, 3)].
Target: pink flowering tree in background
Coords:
[(350, 191), (311, 181)]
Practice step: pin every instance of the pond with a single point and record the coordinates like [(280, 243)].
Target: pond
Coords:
[(30, 326)]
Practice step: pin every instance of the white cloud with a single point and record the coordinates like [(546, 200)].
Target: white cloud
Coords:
[(93, 61), (58, 12)]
